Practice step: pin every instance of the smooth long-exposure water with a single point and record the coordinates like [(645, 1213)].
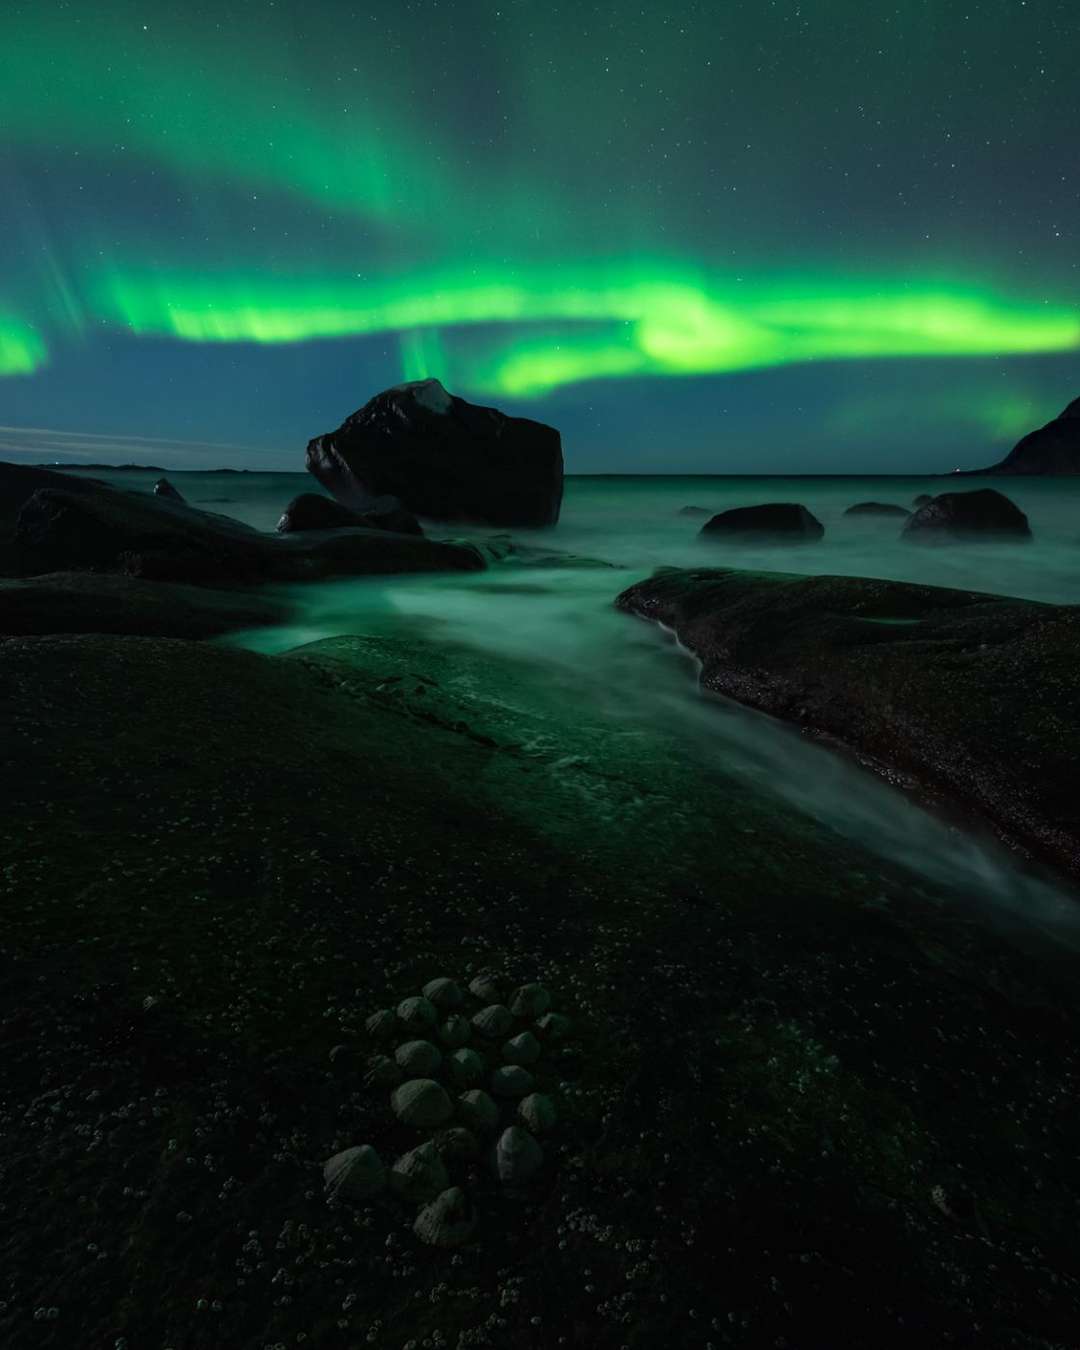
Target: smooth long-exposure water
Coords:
[(561, 616)]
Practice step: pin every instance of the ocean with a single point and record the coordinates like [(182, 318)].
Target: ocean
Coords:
[(560, 616)]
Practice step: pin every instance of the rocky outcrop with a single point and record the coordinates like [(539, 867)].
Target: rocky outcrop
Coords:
[(969, 695), (877, 509), (955, 517), (779, 520), (96, 602), (50, 523), (444, 458), (1052, 449), (313, 511), (163, 488)]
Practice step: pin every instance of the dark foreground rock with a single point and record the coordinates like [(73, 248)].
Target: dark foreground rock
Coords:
[(956, 517), (922, 499), (163, 488), (783, 1049), (446, 459), (50, 522), (877, 509), (784, 520), (313, 511), (95, 602), (1052, 449), (972, 696)]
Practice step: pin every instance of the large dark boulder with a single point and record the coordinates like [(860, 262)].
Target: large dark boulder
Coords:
[(313, 511), (958, 516), (445, 459), (877, 509), (51, 523), (163, 488), (1052, 449), (778, 520), (971, 695)]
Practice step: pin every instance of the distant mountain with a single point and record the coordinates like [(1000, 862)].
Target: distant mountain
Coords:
[(112, 468), (1053, 449)]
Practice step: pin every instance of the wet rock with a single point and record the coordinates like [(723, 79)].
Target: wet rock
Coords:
[(418, 1057), (511, 1080), (531, 1001), (955, 517), (973, 696), (354, 1174), (537, 1112), (494, 1020), (421, 1102), (478, 1110), (775, 520), (522, 1049), (518, 1157), (444, 993), (444, 458), (313, 511), (448, 1221), (419, 1174), (163, 488)]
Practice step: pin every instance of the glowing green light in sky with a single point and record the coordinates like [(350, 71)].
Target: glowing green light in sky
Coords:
[(22, 350), (640, 318)]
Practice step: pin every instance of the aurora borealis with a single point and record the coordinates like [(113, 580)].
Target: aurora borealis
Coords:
[(749, 237)]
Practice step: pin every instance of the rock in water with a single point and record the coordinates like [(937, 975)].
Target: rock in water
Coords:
[(163, 488), (313, 511), (876, 509), (1052, 449), (445, 458), (956, 516), (780, 520)]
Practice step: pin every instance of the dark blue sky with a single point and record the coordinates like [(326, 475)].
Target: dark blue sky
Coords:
[(756, 237)]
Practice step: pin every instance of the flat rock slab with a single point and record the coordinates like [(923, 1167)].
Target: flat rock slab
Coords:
[(96, 602), (970, 694)]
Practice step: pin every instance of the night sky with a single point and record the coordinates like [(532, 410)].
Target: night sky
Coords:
[(732, 236)]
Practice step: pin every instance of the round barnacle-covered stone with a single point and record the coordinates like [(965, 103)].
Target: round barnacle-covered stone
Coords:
[(531, 1001), (418, 1057), (418, 1013), (354, 1174), (554, 1026), (485, 986), (465, 1068), (456, 1143), (448, 1221), (537, 1112), (383, 1071), (381, 1025), (494, 1020), (523, 1049), (444, 993), (477, 1110), (518, 1156), (419, 1174), (455, 1031), (421, 1102), (511, 1081)]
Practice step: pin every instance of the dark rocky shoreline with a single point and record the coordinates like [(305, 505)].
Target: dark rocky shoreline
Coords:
[(809, 1100)]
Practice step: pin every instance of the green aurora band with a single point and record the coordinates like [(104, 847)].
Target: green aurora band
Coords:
[(22, 350), (638, 319)]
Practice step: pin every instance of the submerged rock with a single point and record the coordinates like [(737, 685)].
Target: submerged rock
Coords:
[(445, 458), (954, 517), (877, 509), (784, 520)]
